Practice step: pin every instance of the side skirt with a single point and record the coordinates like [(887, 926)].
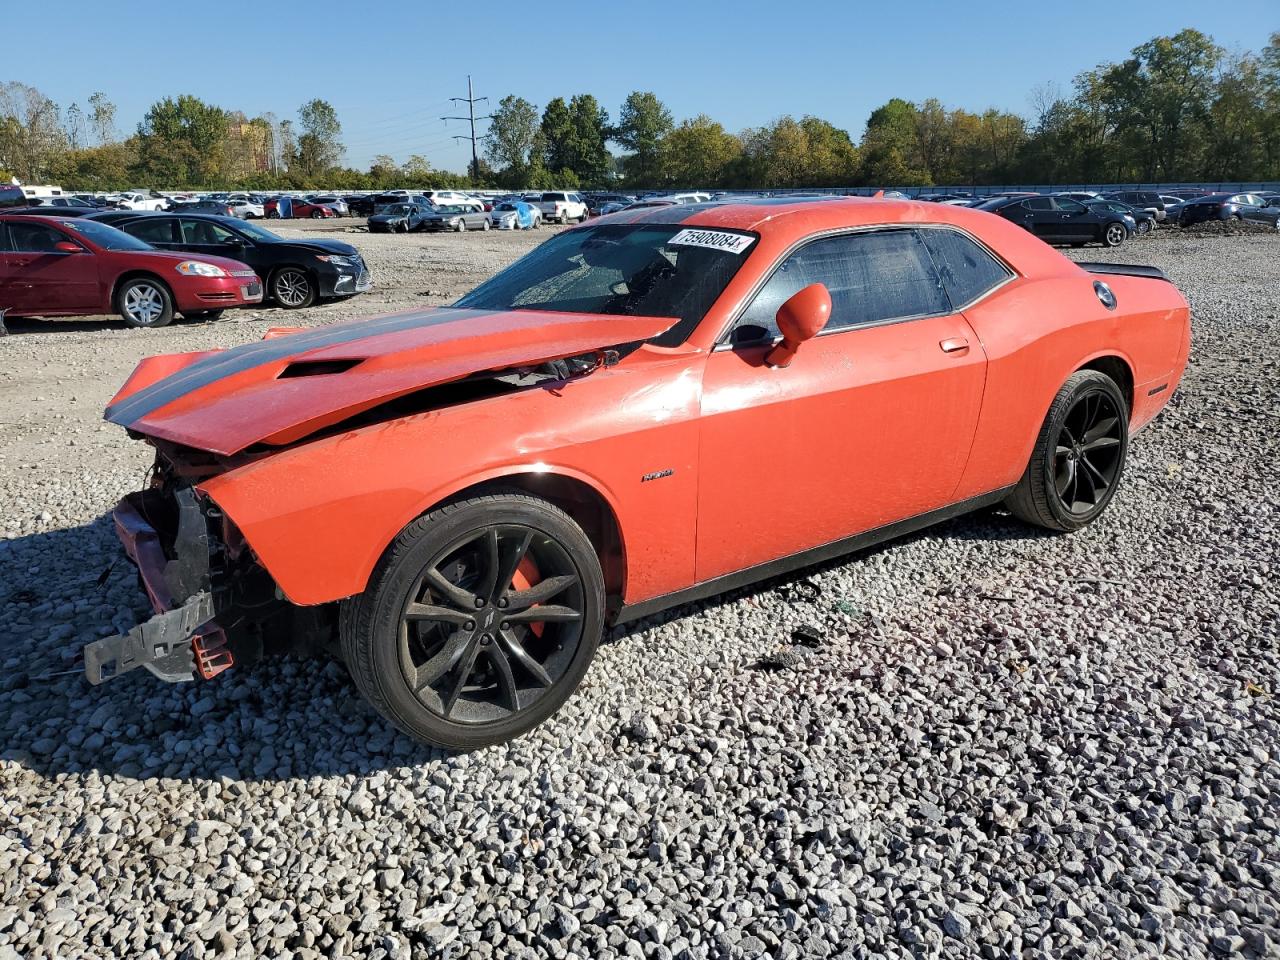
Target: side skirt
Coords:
[(806, 558)]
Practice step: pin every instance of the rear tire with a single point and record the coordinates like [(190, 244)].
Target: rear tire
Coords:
[(428, 642), (1079, 455), (144, 302)]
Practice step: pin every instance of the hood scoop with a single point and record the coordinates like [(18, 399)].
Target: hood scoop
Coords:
[(318, 368)]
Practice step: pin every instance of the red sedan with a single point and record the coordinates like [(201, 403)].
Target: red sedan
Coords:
[(58, 267), (654, 407), (300, 209)]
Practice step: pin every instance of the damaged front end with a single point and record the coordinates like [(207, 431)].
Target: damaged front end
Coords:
[(215, 605)]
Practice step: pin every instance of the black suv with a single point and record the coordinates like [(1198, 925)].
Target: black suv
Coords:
[(296, 272)]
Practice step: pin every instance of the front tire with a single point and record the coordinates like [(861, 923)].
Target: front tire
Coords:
[(143, 302), (1078, 458), (293, 288), (478, 623), (1114, 234)]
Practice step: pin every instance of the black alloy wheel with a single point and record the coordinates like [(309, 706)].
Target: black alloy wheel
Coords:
[(479, 623), (474, 638), (1079, 455)]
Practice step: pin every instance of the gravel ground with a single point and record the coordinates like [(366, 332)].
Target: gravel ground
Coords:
[(995, 742)]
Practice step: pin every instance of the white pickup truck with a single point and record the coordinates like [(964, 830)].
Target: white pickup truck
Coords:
[(141, 201), (563, 206)]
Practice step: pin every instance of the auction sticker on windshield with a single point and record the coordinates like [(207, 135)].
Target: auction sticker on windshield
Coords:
[(713, 240)]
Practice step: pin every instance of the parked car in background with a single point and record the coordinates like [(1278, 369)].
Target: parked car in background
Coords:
[(1220, 206), (1143, 220), (561, 206), (296, 273), (11, 195), (1084, 196), (399, 218), (55, 267), (246, 209), (220, 207), (300, 209), (515, 215), (1147, 200), (469, 496), (1062, 220), (359, 205), (1269, 212), (693, 197), (452, 198), (598, 201), (141, 201), (460, 218), (396, 196), (67, 206), (337, 204)]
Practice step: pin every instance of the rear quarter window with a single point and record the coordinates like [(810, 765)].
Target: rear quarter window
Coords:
[(967, 270), (12, 197)]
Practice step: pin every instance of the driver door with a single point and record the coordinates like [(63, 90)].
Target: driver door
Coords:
[(871, 423)]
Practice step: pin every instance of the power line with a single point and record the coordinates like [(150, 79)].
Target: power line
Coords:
[(470, 100)]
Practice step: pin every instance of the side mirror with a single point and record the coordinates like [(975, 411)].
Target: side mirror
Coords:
[(233, 241), (801, 318), (66, 246)]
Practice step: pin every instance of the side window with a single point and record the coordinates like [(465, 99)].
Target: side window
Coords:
[(1070, 206), (1039, 204), (967, 270), (33, 237), (152, 231), (203, 232), (871, 277)]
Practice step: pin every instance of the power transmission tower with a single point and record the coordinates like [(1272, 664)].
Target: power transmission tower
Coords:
[(471, 100)]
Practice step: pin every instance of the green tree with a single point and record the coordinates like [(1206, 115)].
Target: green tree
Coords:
[(642, 127), (574, 135), (890, 146), (513, 138), (319, 148), (181, 143), (699, 153)]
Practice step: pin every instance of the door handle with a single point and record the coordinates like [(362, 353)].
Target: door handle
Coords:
[(955, 345), (20, 263)]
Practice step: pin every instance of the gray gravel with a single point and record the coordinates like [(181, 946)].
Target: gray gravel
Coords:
[(997, 743)]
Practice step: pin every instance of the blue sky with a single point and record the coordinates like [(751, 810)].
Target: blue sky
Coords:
[(390, 67)]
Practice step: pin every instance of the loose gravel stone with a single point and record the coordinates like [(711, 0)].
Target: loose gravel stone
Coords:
[(1005, 744)]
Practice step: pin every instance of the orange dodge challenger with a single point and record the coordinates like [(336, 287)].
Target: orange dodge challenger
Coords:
[(651, 408)]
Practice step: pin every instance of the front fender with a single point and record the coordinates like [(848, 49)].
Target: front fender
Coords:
[(319, 515)]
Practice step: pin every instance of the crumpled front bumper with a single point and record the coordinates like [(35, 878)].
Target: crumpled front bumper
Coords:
[(182, 640)]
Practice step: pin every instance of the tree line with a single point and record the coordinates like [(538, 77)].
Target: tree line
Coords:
[(1179, 108)]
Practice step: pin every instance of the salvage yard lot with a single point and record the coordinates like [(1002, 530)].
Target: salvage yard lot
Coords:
[(1004, 739)]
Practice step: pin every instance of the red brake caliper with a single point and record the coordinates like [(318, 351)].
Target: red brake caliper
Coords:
[(526, 576)]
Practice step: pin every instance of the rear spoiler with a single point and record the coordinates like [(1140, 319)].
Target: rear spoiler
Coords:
[(1124, 269)]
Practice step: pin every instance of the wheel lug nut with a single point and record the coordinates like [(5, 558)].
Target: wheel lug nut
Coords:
[(503, 603), (469, 625), (479, 603)]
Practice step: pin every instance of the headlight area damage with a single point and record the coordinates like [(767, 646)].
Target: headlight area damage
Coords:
[(214, 604), (209, 414)]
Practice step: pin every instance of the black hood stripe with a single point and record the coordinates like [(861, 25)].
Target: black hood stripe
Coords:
[(210, 370)]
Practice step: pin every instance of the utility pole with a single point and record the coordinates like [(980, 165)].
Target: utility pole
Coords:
[(470, 100)]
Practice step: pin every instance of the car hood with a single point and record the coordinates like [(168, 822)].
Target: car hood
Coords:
[(280, 390), (323, 246)]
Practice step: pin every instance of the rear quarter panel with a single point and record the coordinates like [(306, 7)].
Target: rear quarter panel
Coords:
[(1037, 332)]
